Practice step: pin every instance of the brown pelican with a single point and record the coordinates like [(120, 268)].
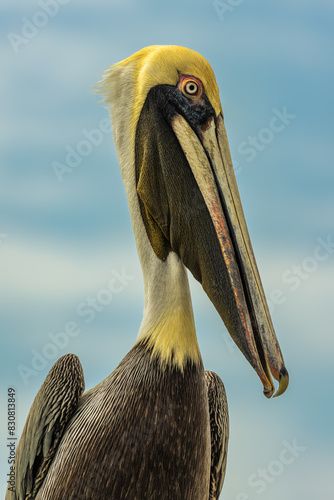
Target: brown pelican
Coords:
[(157, 426)]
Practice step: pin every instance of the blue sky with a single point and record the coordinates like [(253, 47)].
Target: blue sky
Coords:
[(60, 242)]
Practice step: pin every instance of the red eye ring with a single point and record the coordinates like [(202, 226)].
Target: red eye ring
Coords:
[(191, 87)]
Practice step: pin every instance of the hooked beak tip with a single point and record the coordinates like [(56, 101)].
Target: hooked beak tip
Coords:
[(283, 382)]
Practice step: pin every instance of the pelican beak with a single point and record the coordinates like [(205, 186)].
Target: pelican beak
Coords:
[(250, 325), (191, 205)]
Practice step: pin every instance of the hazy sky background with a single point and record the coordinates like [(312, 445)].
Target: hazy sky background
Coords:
[(61, 241)]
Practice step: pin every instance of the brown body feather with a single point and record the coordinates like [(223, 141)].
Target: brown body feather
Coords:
[(142, 433)]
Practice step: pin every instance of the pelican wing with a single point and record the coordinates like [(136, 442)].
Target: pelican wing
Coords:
[(219, 428), (50, 412)]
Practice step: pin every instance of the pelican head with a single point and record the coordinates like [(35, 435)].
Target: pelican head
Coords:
[(185, 206)]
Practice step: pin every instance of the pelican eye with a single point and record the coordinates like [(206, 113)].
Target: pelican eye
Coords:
[(191, 88)]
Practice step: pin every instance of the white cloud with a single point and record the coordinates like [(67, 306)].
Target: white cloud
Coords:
[(45, 271)]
